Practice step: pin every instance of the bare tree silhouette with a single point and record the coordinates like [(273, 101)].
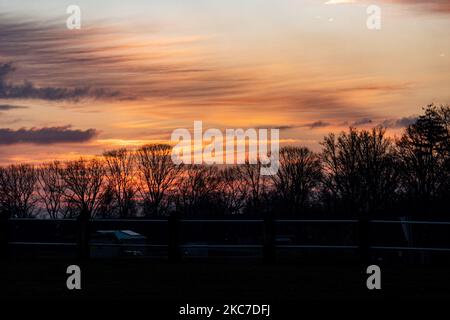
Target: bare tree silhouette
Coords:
[(17, 190), (121, 180), (424, 153), (232, 191), (298, 176), (359, 170), (255, 183), (378, 170), (157, 173), (341, 172), (196, 186), (84, 185), (51, 187)]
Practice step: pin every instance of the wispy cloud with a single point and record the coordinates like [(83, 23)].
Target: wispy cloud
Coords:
[(317, 124), (226, 76), (47, 135), (363, 121), (105, 62), (27, 90), (399, 123), (5, 107)]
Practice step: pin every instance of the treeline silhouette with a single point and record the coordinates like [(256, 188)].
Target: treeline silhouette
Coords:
[(358, 172)]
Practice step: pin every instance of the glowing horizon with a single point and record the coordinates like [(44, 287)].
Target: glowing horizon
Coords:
[(133, 73)]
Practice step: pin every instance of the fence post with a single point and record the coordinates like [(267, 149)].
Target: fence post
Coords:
[(83, 235), (269, 253), (363, 233), (174, 238)]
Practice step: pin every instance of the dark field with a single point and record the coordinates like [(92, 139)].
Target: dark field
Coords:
[(218, 282)]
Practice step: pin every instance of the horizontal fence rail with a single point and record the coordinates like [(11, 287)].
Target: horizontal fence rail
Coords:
[(268, 237), (443, 223)]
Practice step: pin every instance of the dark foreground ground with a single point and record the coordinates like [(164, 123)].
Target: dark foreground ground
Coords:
[(218, 282)]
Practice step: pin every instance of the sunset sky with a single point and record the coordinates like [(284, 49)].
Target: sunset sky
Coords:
[(137, 70)]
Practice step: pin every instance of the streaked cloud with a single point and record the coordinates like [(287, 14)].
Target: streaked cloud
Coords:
[(105, 62), (5, 107), (317, 124), (27, 90), (363, 121), (50, 135), (399, 123), (219, 63)]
